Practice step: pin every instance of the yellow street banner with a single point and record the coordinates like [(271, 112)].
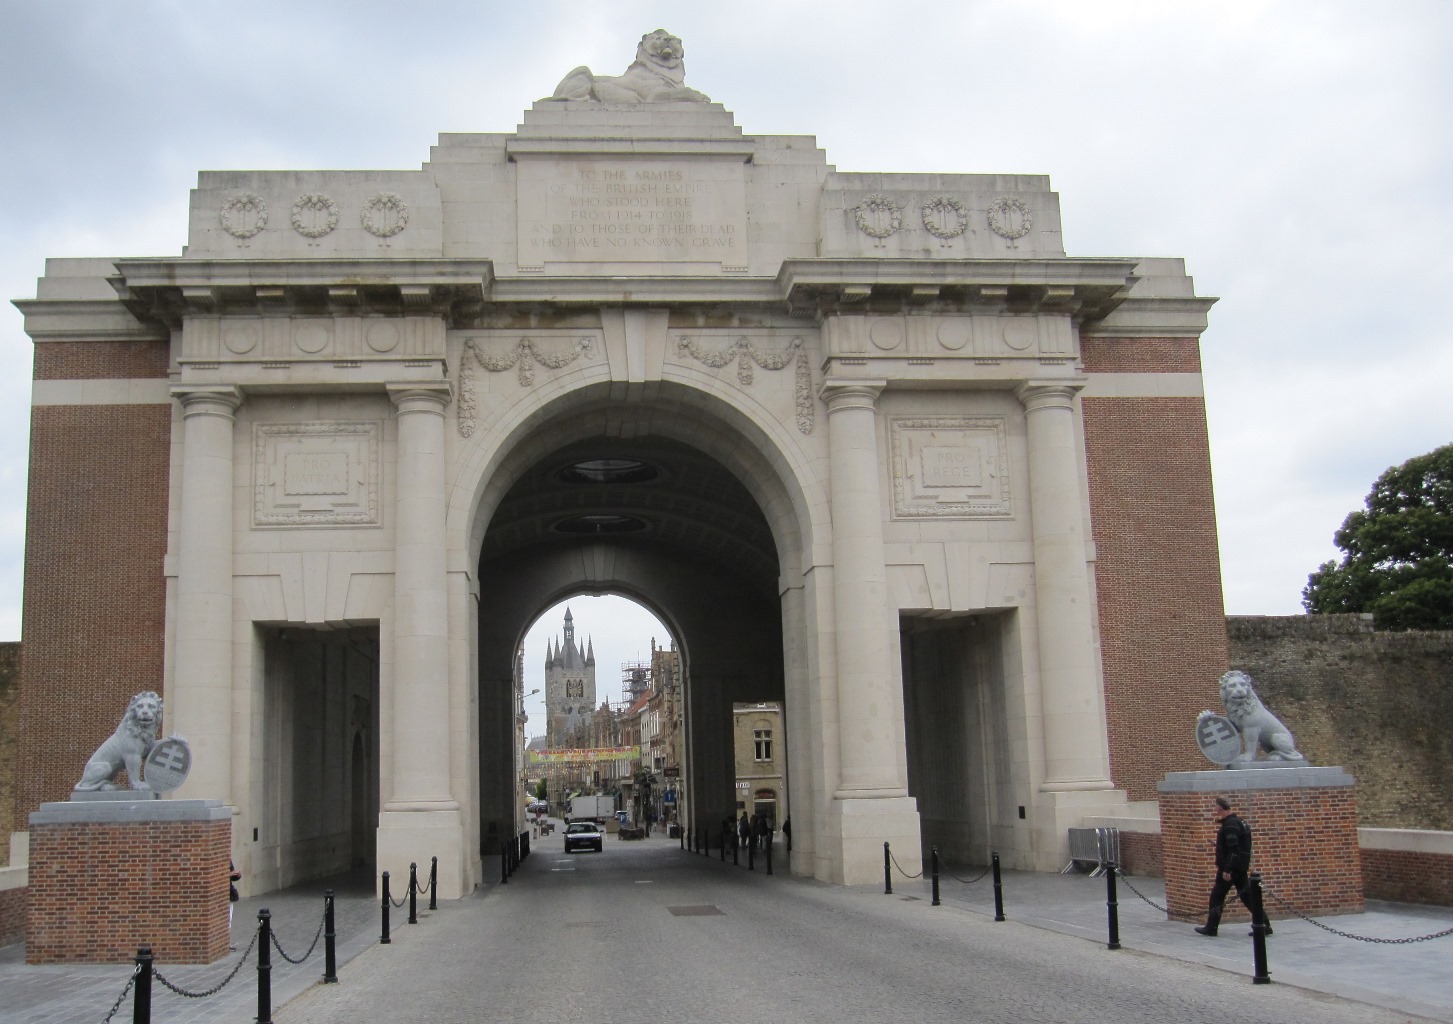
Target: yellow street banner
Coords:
[(584, 755)]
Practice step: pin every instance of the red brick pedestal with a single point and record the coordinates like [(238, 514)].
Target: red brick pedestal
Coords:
[(107, 877), (1304, 839)]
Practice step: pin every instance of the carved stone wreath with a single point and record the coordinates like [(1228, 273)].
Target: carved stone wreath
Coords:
[(314, 215), (385, 215), (878, 216), (1009, 218), (523, 356), (244, 215), (746, 354), (944, 217)]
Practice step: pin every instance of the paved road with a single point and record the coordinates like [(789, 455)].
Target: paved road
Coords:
[(645, 932)]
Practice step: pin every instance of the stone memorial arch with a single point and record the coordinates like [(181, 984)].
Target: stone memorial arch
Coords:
[(871, 444)]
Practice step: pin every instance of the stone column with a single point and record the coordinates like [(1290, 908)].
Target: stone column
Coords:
[(421, 818), (871, 802), (1076, 748), (199, 700), (421, 716)]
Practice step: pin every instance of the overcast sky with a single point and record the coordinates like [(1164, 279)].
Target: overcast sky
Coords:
[(1296, 154)]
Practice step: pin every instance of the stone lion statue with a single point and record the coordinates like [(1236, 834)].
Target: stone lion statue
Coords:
[(1261, 731), (657, 75), (127, 747)]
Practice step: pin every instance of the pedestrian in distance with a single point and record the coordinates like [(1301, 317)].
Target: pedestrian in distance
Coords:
[(744, 830), (764, 833), (1233, 861)]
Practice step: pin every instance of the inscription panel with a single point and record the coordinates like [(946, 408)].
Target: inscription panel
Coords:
[(315, 474), (950, 467), (632, 210)]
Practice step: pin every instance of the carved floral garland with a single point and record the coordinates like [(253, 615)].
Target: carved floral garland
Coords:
[(244, 215), (524, 356), (306, 210), (1009, 218), (944, 217), (385, 215), (878, 216), (746, 354)]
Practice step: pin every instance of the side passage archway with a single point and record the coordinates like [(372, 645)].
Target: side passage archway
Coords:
[(663, 523)]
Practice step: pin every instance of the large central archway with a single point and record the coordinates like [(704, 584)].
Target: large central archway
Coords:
[(659, 498)]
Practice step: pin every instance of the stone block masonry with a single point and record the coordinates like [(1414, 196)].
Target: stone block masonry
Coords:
[(106, 878), (1304, 839)]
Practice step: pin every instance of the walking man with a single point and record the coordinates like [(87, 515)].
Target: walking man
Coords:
[(1233, 861)]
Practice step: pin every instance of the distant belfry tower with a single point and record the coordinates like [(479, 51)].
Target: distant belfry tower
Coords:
[(569, 684)]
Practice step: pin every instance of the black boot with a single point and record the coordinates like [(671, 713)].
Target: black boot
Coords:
[(1206, 929)]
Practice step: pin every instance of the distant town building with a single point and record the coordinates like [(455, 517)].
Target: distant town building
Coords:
[(761, 783)]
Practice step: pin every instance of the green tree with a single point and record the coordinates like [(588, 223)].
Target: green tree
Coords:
[(1397, 552), (540, 790)]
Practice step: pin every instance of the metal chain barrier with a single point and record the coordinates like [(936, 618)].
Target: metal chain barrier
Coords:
[(398, 903), (1349, 935), (122, 997), (423, 887), (967, 881), (1126, 879), (282, 953), (905, 874), (214, 989)]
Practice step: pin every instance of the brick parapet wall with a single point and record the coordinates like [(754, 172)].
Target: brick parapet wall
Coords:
[(13, 903), (95, 591), (1304, 844), (1405, 876), (98, 891), (1378, 704), (1157, 575)]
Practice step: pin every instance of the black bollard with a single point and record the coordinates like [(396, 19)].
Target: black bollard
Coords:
[(141, 1001), (769, 853), (1261, 975), (751, 853), (887, 870), (330, 936), (413, 892), (703, 844), (736, 849), (998, 890), (1112, 907), (384, 940), (935, 902), (434, 884), (725, 834), (264, 966), (681, 834), (504, 865)]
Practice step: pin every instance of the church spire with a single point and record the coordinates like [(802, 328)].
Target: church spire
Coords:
[(590, 651)]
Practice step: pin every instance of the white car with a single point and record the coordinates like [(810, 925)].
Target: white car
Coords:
[(585, 835)]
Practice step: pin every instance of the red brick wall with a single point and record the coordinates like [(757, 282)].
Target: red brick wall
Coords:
[(1140, 854), (93, 611), (1158, 574), (112, 360), (98, 891), (9, 722), (1304, 843), (1407, 877)]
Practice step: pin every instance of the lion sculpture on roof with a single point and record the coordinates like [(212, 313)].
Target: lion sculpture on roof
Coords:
[(658, 75)]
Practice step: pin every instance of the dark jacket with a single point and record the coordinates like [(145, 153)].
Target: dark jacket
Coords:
[(1233, 845)]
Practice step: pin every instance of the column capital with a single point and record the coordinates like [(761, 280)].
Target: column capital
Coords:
[(208, 399), (851, 394), (421, 396), (1049, 393)]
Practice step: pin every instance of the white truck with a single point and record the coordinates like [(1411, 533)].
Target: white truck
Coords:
[(591, 808)]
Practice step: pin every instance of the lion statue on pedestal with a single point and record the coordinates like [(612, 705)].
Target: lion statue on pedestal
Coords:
[(658, 75), (1261, 731), (127, 747)]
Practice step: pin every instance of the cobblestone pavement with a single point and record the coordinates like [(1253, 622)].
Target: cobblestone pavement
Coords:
[(645, 930)]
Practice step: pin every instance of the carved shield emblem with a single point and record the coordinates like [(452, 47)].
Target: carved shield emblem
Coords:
[(1218, 738), (168, 764)]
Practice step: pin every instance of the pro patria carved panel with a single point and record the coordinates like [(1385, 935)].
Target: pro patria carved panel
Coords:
[(950, 467), (315, 474)]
